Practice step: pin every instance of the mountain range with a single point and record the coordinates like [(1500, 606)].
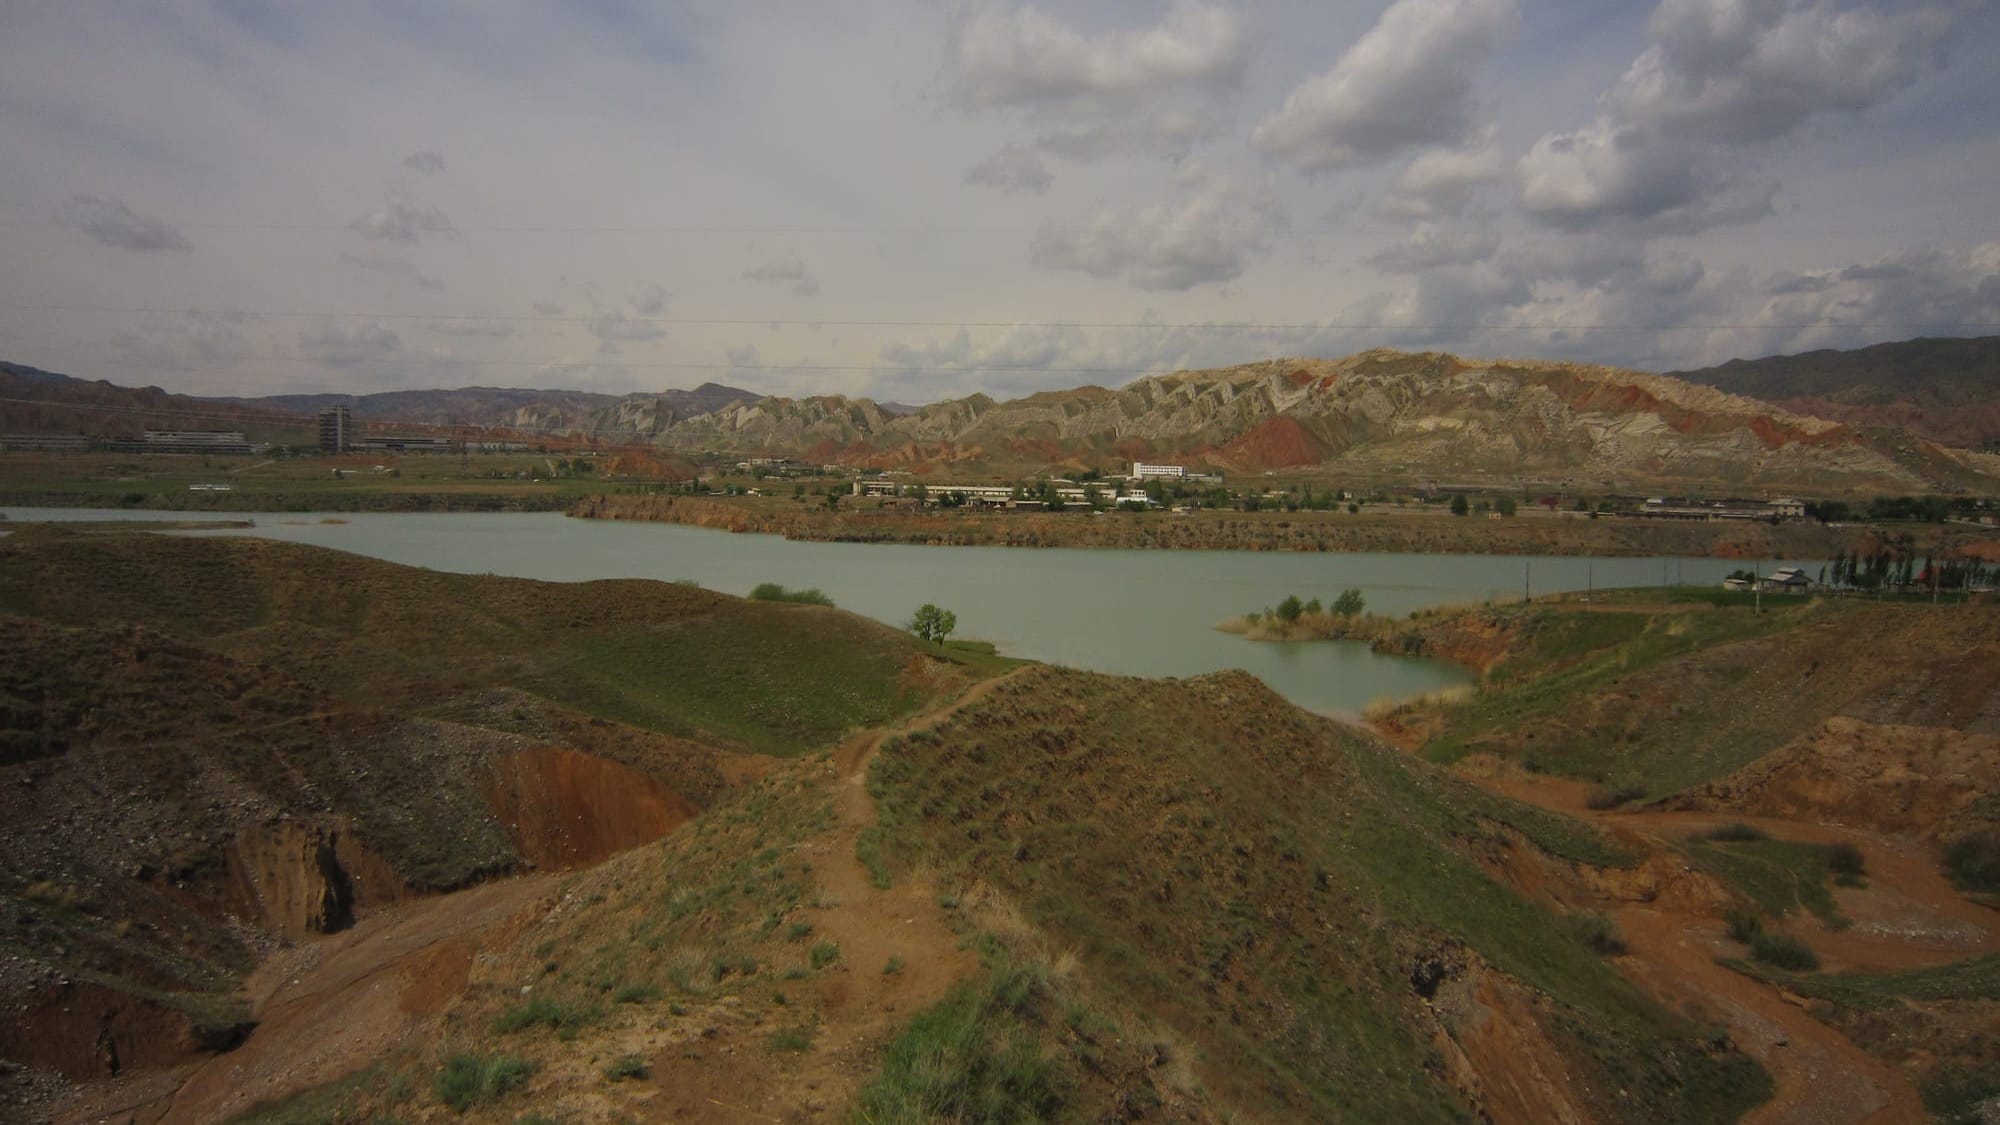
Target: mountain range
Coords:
[(1906, 416)]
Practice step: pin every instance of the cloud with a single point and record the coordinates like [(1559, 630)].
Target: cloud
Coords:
[(546, 308), (1720, 75), (1432, 247), (1012, 169), (428, 161), (1606, 174), (787, 269), (393, 267), (472, 329), (194, 341), (402, 220), (1092, 93), (1208, 236), (112, 223), (1406, 82), (346, 347), (650, 300), (1441, 182)]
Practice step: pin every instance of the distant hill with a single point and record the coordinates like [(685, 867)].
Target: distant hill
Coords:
[(1947, 390), (1382, 412), (518, 408), (37, 401)]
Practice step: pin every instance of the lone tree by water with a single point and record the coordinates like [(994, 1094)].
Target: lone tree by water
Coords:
[(933, 624)]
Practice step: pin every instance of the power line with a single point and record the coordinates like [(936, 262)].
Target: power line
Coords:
[(1318, 230), (1149, 325)]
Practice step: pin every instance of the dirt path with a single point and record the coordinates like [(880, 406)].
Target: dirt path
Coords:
[(1909, 916), (329, 1007), (862, 1001)]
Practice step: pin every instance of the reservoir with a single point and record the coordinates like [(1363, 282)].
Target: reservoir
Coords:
[(1134, 612)]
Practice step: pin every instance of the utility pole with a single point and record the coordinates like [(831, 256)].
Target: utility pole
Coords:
[(1527, 583), (1757, 585)]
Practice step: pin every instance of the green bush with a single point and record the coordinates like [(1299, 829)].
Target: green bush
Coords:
[(1744, 926), (824, 954), (627, 1066), (637, 994), (1973, 861), (1597, 932), (1737, 833), (468, 1080), (1784, 951), (544, 1011), (1845, 859), (772, 592)]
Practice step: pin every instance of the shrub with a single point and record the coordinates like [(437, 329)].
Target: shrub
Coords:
[(1744, 926), (793, 1039), (1606, 797), (772, 592), (1784, 951), (544, 1011), (627, 1066), (1597, 932), (637, 994), (1737, 833), (467, 1080), (1844, 860), (824, 954), (893, 966), (1973, 861)]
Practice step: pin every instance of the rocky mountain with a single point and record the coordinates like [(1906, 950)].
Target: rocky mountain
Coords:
[(1946, 390), (1382, 411)]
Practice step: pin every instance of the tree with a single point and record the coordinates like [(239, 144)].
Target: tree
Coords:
[(1349, 603), (933, 624), (1505, 505), (1458, 505), (1288, 610)]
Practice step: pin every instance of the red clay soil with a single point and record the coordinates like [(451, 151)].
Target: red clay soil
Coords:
[(1909, 916), (566, 809), (330, 1007)]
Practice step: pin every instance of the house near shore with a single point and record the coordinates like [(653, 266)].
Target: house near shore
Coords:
[(1787, 580)]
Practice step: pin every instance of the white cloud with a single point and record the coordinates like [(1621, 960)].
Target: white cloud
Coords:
[(1406, 82), (112, 223), (1209, 235), (1719, 75), (1093, 94), (648, 300), (392, 267), (1441, 182), (1012, 169), (350, 346), (402, 220), (427, 161), (788, 270), (1431, 247)]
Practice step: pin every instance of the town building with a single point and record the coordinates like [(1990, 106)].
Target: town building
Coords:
[(1143, 471), (336, 429)]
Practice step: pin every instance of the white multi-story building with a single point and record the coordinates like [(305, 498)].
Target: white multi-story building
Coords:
[(1141, 470)]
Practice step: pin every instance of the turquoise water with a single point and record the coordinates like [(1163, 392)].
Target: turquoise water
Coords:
[(1142, 613)]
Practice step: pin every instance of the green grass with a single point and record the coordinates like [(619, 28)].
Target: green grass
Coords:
[(468, 1080), (1263, 882), (1659, 701), (823, 954), (1780, 876), (976, 1055), (772, 592), (545, 1011), (627, 1067), (1974, 979), (1783, 951)]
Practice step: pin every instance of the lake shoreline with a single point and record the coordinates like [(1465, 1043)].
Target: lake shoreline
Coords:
[(1399, 532)]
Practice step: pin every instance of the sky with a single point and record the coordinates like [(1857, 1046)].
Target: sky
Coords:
[(917, 200)]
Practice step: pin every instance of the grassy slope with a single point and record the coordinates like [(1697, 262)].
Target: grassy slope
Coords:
[(1268, 884), (1661, 698), (770, 678), (161, 696), (1938, 1024)]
